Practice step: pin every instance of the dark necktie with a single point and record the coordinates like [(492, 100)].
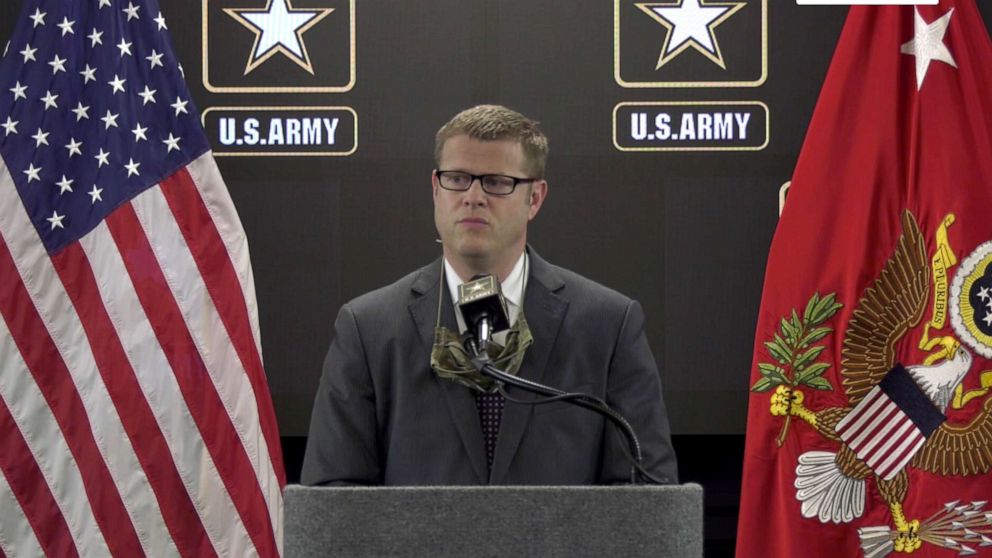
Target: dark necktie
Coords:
[(490, 407)]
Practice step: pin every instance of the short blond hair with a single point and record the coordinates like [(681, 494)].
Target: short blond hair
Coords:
[(495, 122)]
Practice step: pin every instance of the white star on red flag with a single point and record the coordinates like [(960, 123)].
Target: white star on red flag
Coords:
[(928, 44)]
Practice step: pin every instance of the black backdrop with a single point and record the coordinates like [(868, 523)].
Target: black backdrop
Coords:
[(685, 233)]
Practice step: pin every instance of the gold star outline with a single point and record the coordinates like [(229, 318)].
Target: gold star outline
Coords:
[(717, 58), (256, 62)]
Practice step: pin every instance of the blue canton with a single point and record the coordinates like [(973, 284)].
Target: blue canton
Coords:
[(93, 111)]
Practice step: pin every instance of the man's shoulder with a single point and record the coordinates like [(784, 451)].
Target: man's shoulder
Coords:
[(579, 288), (592, 308), (395, 295)]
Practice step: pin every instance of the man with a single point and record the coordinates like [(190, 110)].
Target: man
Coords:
[(399, 405)]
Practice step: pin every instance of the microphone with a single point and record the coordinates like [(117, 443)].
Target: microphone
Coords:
[(483, 308)]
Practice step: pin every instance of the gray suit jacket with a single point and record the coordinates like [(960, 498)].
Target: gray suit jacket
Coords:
[(382, 416)]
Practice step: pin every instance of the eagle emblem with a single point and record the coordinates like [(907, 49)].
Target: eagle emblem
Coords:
[(897, 417)]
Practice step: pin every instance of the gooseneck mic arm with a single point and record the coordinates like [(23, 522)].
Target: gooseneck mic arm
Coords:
[(484, 311), (482, 363)]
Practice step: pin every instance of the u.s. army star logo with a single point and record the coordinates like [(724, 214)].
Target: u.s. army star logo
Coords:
[(690, 23), (278, 28)]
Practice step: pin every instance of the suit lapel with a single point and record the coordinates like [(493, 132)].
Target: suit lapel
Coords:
[(458, 399), (544, 310)]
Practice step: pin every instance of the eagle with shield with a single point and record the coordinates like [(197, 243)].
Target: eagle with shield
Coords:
[(897, 416)]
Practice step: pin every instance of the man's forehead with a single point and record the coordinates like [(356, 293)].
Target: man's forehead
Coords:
[(466, 139), (463, 144)]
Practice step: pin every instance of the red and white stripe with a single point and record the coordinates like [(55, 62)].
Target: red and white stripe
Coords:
[(881, 434), (134, 414)]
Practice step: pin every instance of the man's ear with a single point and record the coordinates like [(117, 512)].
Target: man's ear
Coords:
[(538, 193)]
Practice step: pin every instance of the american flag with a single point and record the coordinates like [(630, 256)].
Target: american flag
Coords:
[(135, 418), (890, 424)]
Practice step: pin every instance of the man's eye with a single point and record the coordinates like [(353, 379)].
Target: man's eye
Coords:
[(498, 181)]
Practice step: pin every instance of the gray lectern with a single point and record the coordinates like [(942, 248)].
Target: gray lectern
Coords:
[(655, 521)]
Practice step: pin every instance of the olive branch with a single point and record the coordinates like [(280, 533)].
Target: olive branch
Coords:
[(795, 351)]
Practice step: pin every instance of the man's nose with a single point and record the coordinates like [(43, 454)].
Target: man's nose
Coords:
[(475, 195)]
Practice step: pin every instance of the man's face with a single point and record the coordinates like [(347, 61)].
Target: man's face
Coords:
[(481, 231)]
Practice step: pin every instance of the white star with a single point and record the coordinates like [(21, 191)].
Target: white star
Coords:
[(57, 64), (19, 91), (139, 133), (95, 37), (928, 44), (89, 74), (10, 126), (147, 96), (278, 28), (132, 168), (124, 47), (983, 293), (65, 185), (32, 173), (56, 220), (101, 158), (117, 83), (180, 106), (40, 138), (172, 143), (28, 53), (95, 194), (132, 11), (104, 3), (81, 112), (49, 100), (110, 120), (66, 26), (38, 17), (988, 318), (691, 23), (73, 147), (160, 21), (155, 59)]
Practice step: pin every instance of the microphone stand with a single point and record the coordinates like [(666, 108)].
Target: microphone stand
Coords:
[(482, 363)]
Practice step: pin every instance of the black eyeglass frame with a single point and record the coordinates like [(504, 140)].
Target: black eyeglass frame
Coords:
[(482, 182)]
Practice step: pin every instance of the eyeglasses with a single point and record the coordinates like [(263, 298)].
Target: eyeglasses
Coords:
[(494, 184)]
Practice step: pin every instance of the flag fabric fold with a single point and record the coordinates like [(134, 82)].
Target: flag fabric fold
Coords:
[(870, 413), (135, 418)]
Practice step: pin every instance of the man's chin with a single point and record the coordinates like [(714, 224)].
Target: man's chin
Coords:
[(473, 254), (473, 251)]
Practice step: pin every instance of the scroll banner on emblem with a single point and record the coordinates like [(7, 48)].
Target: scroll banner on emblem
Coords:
[(871, 385)]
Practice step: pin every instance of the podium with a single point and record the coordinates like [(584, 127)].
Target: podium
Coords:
[(517, 521)]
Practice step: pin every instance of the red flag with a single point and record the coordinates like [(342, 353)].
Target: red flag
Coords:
[(135, 419), (870, 416)]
